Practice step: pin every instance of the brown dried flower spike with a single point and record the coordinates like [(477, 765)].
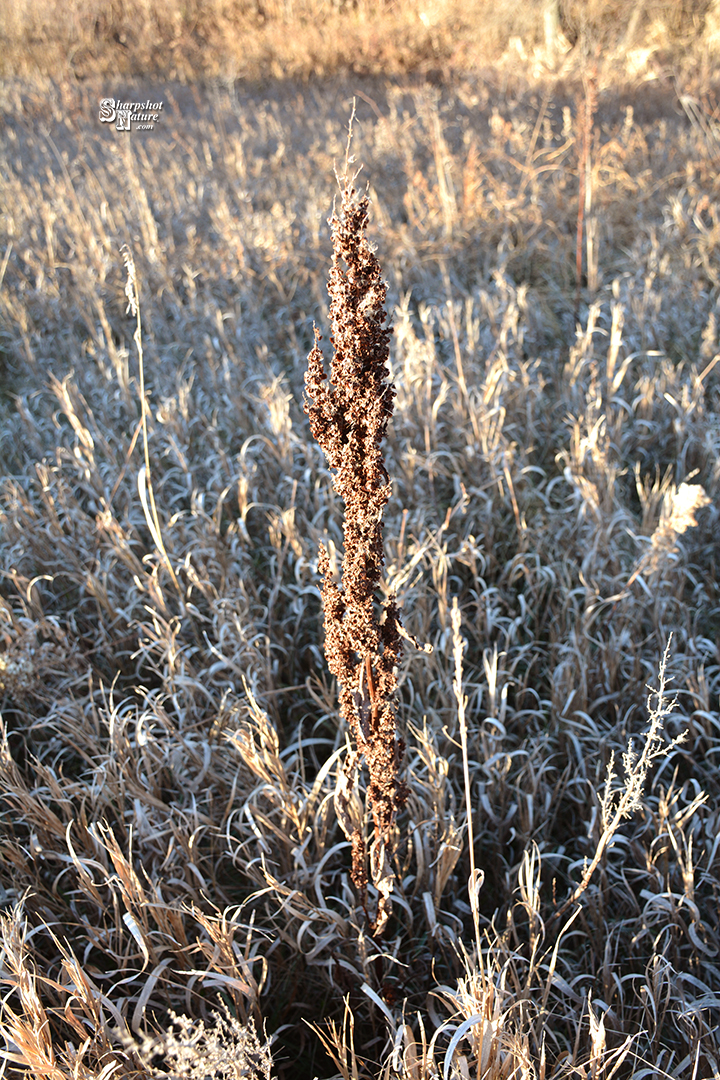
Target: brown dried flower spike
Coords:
[(349, 419)]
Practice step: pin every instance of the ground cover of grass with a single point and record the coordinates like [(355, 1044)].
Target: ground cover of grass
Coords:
[(257, 40), (170, 736)]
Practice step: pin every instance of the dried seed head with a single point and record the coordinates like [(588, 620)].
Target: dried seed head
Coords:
[(349, 418)]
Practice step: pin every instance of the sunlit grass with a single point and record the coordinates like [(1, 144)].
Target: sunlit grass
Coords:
[(259, 40), (171, 739)]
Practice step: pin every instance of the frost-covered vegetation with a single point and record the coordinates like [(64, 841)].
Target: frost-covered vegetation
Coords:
[(176, 887)]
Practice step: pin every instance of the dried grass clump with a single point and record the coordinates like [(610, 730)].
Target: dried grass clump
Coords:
[(171, 746), (192, 1050), (225, 1049)]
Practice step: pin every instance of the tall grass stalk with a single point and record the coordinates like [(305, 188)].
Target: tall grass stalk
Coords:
[(475, 880), (586, 220), (144, 481)]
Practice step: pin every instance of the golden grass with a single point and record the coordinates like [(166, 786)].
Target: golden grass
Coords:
[(258, 40), (171, 744)]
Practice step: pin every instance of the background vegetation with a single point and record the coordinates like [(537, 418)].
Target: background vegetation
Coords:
[(170, 732), (260, 39)]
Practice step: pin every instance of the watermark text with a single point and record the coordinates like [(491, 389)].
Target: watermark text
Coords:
[(142, 115)]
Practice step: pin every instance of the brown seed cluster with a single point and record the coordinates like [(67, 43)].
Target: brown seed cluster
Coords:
[(349, 418)]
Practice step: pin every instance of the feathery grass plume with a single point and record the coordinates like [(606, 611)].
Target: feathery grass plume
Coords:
[(349, 420), (677, 515)]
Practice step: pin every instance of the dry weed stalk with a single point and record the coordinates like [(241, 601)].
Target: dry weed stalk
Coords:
[(587, 107), (616, 805), (363, 648)]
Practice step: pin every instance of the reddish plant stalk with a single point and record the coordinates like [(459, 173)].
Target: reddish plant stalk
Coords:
[(349, 418), (586, 112)]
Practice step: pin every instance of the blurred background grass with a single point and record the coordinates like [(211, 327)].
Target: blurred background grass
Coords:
[(257, 39)]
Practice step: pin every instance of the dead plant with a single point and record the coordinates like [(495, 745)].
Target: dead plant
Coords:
[(349, 421)]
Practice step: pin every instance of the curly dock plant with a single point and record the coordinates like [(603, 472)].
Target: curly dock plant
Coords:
[(349, 418)]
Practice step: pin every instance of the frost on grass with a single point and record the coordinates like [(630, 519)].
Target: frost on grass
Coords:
[(676, 517), (616, 805), (222, 1050), (146, 791)]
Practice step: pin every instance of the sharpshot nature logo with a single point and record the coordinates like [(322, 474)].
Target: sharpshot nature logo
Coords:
[(141, 115)]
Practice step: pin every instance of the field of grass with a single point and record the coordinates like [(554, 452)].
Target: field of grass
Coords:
[(255, 40), (172, 761)]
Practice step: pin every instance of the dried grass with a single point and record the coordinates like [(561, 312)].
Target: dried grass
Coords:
[(303, 39), (170, 854)]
